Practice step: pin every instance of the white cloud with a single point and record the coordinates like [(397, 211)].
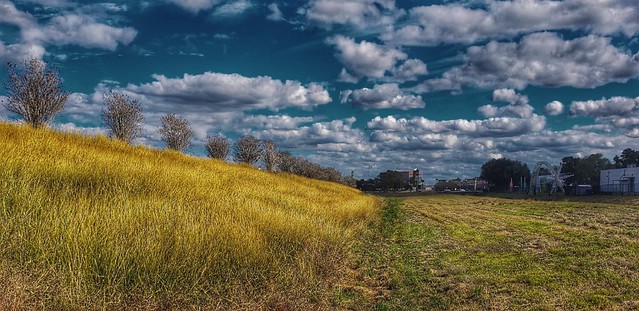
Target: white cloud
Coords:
[(361, 14), (63, 29), (509, 96), (456, 23), (539, 59), (384, 96), (275, 12), (233, 8), (19, 52), (372, 60), (409, 70), (275, 122), (336, 135), (84, 31), (231, 92), (366, 59), (517, 105), (554, 108), (615, 106), (619, 112), (195, 6), (491, 127)]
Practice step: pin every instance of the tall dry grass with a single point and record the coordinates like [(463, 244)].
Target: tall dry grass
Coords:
[(87, 222)]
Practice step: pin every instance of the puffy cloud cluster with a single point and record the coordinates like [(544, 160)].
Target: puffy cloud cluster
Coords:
[(491, 127), (337, 136), (231, 92), (233, 8), (517, 105), (372, 60), (456, 23), (360, 14), (383, 96), (615, 106), (539, 59), (195, 6), (554, 108), (66, 28), (620, 112)]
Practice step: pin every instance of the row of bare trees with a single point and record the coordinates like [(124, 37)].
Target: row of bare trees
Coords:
[(35, 93)]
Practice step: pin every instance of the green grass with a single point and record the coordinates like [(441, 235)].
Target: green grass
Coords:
[(91, 223), (478, 253)]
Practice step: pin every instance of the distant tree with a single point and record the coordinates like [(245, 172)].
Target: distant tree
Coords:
[(270, 155), (122, 116), (499, 172), (391, 180), (34, 92), (442, 185), (218, 146), (590, 167), (176, 132), (247, 150), (628, 157), (288, 163), (369, 184)]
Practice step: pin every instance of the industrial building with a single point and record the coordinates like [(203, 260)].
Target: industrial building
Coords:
[(620, 181)]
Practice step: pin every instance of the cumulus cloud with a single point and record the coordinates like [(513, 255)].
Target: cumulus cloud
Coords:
[(195, 6), (63, 29), (231, 92), (361, 14), (409, 70), (491, 127), (275, 12), (615, 106), (84, 31), (233, 8), (539, 59), (619, 112), (455, 23), (517, 105), (554, 108), (509, 96), (383, 96), (19, 52), (372, 60), (336, 135)]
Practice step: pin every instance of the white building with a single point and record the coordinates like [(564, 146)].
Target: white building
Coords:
[(621, 180)]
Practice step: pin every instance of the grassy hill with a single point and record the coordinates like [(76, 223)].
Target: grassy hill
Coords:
[(87, 222)]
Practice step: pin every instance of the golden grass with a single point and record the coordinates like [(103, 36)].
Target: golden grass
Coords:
[(87, 222)]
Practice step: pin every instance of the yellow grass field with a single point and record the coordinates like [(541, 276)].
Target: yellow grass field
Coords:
[(91, 223)]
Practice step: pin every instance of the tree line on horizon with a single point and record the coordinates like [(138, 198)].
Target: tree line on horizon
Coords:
[(585, 170), (35, 93)]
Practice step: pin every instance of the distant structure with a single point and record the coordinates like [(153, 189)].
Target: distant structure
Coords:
[(414, 179), (622, 181), (554, 179)]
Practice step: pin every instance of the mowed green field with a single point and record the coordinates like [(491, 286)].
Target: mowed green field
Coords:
[(478, 253)]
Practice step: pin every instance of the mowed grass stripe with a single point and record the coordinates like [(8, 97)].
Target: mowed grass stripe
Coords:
[(498, 253)]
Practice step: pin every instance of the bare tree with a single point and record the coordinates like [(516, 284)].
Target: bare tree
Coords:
[(122, 115), (34, 92), (218, 146), (247, 150), (288, 163), (176, 132), (270, 155)]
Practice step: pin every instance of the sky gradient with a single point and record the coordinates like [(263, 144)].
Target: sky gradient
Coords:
[(361, 86)]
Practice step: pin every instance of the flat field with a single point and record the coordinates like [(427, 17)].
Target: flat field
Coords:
[(480, 253)]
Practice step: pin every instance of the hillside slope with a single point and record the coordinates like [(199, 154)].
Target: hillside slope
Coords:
[(91, 222)]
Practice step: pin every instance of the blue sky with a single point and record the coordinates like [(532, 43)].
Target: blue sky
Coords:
[(362, 86)]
